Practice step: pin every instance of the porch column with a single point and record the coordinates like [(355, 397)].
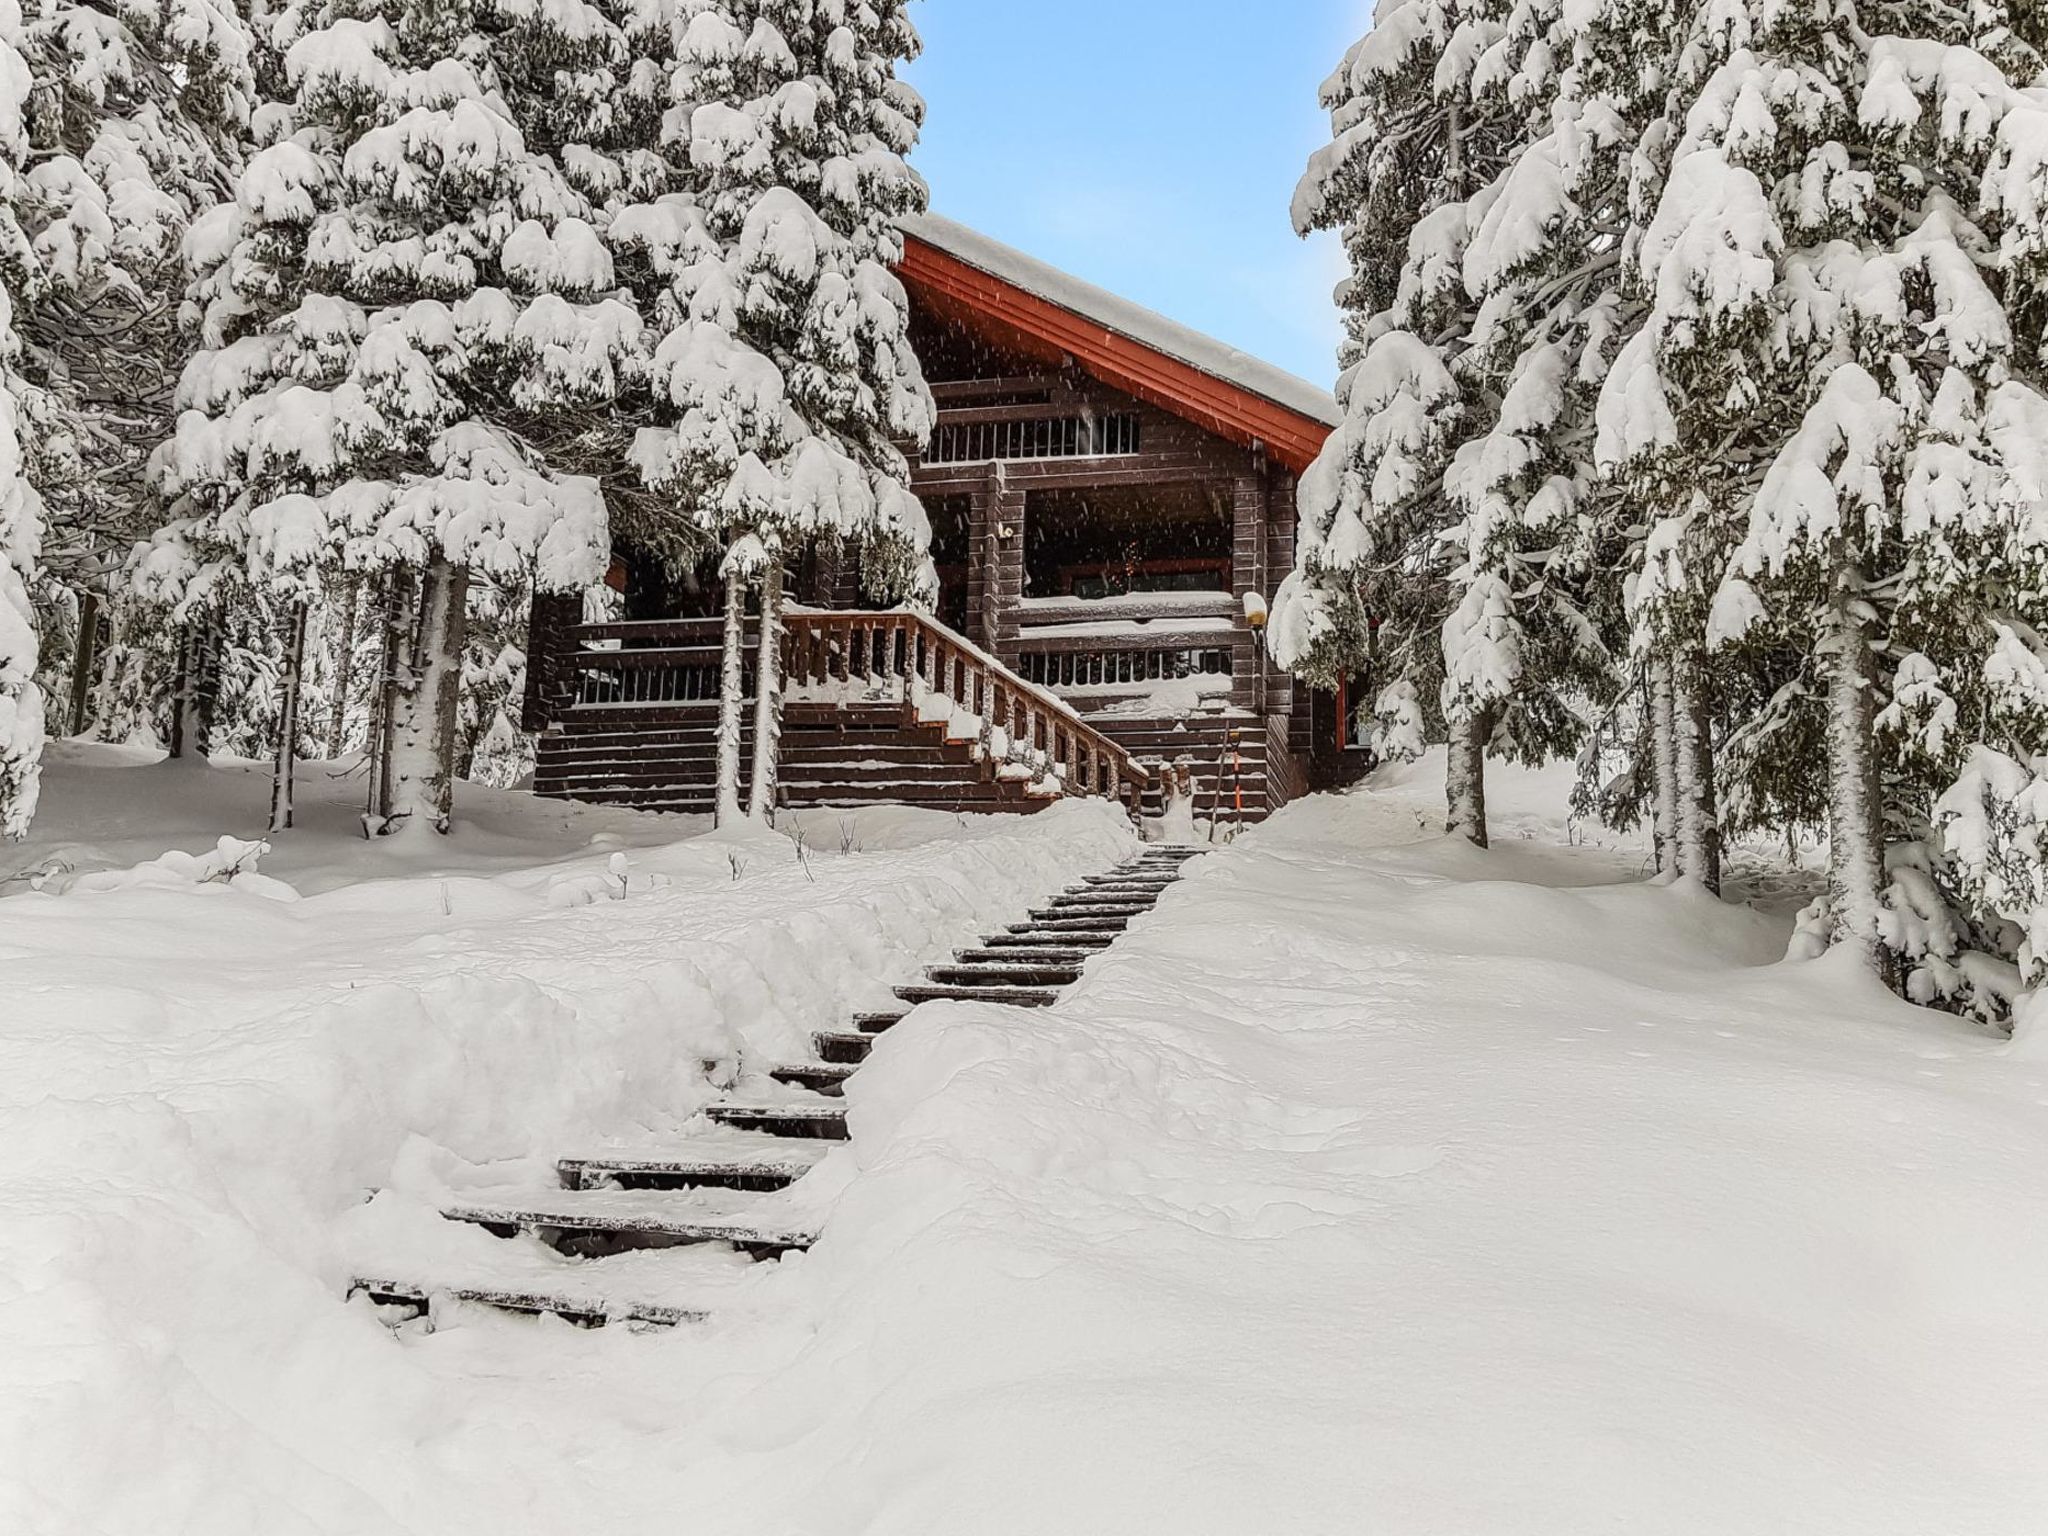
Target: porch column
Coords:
[(1279, 562), (995, 578), (1247, 574), (550, 687)]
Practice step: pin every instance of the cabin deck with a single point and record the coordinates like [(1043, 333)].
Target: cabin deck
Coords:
[(1109, 520)]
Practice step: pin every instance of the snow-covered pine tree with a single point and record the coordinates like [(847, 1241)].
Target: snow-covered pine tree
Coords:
[(1426, 111), (1539, 621), (785, 381), (21, 522), (409, 291), (1834, 262), (137, 119), (21, 700)]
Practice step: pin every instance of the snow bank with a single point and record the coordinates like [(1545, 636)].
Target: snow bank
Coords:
[(1373, 1182), (1378, 1183), (198, 1084)]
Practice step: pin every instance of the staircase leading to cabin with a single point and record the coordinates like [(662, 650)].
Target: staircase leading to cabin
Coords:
[(832, 755), (877, 707), (660, 1235)]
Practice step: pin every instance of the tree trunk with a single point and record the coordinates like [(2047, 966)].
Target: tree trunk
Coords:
[(396, 600), (768, 695), (421, 768), (344, 665), (288, 722), (1699, 810), (1465, 776), (82, 659), (192, 695), (732, 696), (1664, 810), (1856, 878)]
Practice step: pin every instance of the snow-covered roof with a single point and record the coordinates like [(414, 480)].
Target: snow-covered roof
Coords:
[(1133, 321)]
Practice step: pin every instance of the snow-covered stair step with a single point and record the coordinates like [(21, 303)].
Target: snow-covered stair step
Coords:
[(828, 1077), (843, 1046), (1071, 906), (716, 1159), (1132, 881), (1025, 954), (1015, 997), (404, 1253), (819, 1122), (583, 1311), (1007, 973), (876, 1023), (1031, 937), (1054, 922), (603, 1221)]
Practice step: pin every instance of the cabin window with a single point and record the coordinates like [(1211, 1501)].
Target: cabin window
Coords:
[(1116, 542), (951, 518), (1125, 578), (1055, 437)]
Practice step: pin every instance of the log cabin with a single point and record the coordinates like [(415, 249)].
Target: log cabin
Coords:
[(1112, 503)]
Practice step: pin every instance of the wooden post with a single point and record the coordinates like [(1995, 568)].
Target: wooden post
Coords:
[(1247, 575), (82, 659), (281, 785)]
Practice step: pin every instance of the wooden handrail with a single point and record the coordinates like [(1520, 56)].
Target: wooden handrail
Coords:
[(1021, 725), (1026, 730)]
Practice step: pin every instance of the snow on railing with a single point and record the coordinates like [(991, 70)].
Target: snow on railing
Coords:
[(1029, 733)]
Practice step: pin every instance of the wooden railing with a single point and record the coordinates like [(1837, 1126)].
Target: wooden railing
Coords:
[(1029, 734), (1091, 666), (677, 661), (1130, 641)]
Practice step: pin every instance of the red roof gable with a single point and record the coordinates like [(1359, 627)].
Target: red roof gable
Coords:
[(1054, 320)]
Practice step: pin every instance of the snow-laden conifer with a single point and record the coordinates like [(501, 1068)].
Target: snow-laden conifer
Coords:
[(784, 382), (1837, 261), (409, 293), (1392, 576)]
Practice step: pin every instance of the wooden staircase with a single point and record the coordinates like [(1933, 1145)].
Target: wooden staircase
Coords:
[(657, 1236), (877, 707)]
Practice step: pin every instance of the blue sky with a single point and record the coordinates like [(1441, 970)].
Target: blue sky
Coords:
[(1150, 146)]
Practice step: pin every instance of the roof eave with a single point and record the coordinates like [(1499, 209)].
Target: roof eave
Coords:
[(1218, 405)]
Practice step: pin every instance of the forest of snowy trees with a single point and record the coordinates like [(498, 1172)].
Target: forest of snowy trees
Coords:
[(1694, 420), (336, 329), (1695, 426)]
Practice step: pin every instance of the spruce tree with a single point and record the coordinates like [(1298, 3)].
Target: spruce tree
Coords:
[(785, 380), (1398, 572), (1831, 353), (409, 294)]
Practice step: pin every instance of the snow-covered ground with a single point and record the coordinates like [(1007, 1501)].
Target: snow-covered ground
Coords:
[(1371, 1184)]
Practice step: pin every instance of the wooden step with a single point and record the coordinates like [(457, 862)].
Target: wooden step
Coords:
[(824, 1077), (774, 1165), (799, 1121), (843, 1046), (1014, 997), (1011, 954), (1130, 882), (1047, 920), (1101, 906), (583, 1312), (1006, 973), (875, 1023), (592, 1224), (1030, 937)]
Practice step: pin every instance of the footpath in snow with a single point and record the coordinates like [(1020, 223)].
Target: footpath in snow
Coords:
[(1371, 1184)]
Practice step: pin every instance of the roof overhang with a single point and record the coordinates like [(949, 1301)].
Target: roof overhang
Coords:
[(1009, 315)]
